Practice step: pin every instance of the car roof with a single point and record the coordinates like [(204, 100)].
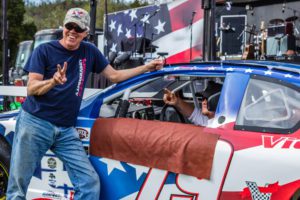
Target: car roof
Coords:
[(289, 72), (260, 65)]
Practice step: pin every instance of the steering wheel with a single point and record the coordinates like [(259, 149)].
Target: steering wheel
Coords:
[(162, 116)]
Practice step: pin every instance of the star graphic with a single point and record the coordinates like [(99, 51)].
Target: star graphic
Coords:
[(248, 70), (114, 47), (119, 29), (160, 27), (268, 72), (288, 76), (9, 126), (139, 170), (112, 164), (112, 25), (139, 35), (133, 14), (145, 19), (128, 33)]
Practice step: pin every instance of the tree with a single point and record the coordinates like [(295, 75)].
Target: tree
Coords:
[(50, 13), (17, 31), (25, 21)]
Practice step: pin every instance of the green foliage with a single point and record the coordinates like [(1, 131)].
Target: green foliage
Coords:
[(17, 30), (25, 21), (29, 29), (50, 13)]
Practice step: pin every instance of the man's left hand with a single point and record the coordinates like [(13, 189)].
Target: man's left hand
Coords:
[(155, 64)]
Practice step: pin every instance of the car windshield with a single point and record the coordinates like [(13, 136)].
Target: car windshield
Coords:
[(23, 54), (40, 39)]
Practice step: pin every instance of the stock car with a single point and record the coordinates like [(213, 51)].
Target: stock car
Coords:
[(144, 149)]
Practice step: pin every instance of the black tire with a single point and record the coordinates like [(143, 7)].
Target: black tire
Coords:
[(5, 151), (296, 196)]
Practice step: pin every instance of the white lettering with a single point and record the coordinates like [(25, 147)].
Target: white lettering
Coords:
[(80, 77), (280, 142)]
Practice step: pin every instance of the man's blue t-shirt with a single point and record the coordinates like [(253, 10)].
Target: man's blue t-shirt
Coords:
[(61, 104)]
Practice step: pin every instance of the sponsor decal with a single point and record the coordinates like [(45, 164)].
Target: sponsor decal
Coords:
[(72, 195), (52, 180), (51, 195), (83, 134), (280, 142), (272, 191), (259, 193), (51, 163), (67, 190), (82, 71)]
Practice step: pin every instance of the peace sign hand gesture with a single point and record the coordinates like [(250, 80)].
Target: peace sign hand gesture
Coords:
[(60, 76)]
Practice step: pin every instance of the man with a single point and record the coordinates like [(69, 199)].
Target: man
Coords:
[(58, 72), (195, 115)]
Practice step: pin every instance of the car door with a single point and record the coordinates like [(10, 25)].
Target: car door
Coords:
[(125, 180), (263, 128)]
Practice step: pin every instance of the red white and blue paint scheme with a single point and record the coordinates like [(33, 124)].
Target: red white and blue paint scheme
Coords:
[(257, 154)]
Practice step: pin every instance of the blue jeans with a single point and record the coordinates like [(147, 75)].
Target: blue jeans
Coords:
[(32, 139)]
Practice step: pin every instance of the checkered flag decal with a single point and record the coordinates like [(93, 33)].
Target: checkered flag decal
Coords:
[(255, 193)]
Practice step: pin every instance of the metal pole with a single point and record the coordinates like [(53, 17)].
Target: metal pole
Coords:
[(93, 11), (191, 35), (212, 31), (106, 26), (209, 48), (4, 38), (92, 81)]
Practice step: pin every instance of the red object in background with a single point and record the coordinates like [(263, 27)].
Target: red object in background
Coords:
[(19, 82), (143, 101)]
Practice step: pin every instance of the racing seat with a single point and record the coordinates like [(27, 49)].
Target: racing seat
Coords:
[(171, 114)]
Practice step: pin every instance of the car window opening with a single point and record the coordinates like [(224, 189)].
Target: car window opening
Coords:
[(146, 101)]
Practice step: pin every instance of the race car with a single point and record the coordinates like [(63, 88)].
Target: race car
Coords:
[(145, 149)]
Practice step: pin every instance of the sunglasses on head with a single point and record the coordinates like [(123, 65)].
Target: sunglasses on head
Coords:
[(71, 26)]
